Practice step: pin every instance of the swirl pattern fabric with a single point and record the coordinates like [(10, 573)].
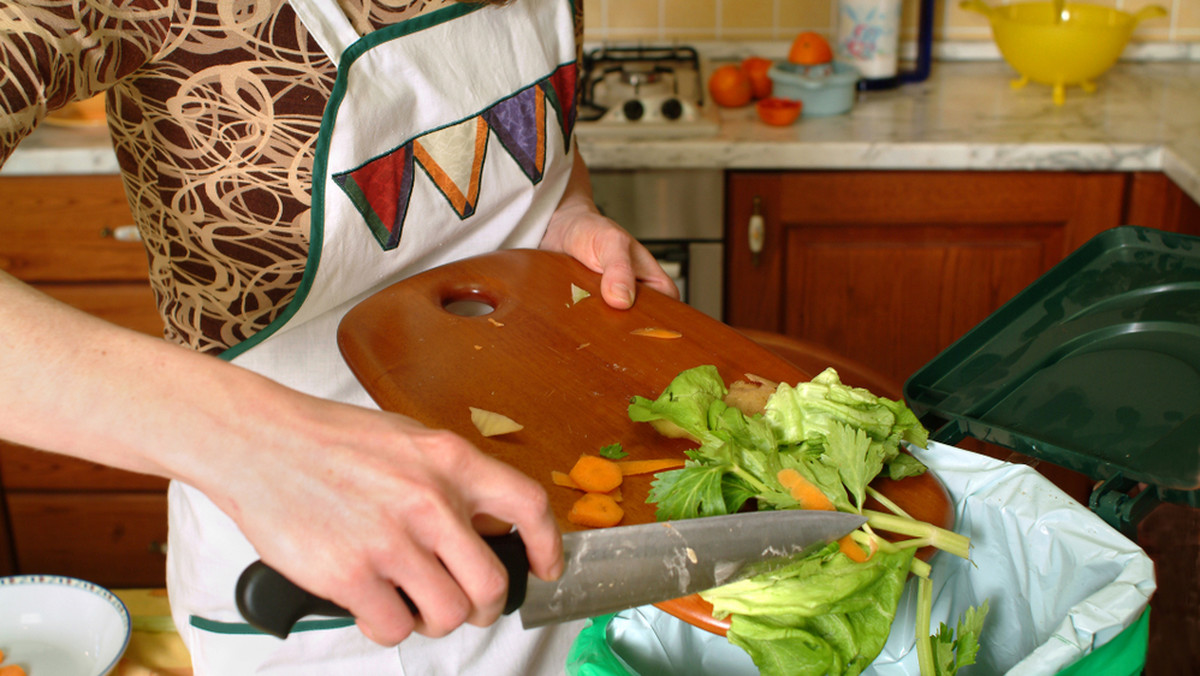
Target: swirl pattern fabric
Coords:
[(214, 109)]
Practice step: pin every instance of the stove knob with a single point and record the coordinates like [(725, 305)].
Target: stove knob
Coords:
[(634, 110), (672, 109)]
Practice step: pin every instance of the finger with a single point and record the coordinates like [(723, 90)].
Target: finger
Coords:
[(478, 572), (442, 602), (379, 611), (618, 284), (650, 272), (521, 501)]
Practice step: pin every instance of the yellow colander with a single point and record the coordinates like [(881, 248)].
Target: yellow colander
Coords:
[(1060, 44)]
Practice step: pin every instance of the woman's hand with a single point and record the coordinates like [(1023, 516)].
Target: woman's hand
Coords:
[(578, 229), (350, 503)]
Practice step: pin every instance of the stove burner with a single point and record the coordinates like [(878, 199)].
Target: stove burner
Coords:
[(630, 78)]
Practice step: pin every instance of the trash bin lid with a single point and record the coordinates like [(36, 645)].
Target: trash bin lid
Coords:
[(1095, 366)]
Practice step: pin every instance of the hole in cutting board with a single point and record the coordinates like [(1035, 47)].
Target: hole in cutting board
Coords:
[(468, 308), (467, 302)]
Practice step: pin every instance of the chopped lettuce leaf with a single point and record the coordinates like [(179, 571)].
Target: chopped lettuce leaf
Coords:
[(685, 402), (822, 615)]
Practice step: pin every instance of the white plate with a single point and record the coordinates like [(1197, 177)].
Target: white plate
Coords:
[(61, 625)]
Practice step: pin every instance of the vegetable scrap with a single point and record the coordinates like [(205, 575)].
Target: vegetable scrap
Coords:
[(632, 467), (814, 445), (806, 492), (578, 294), (563, 479), (491, 424), (600, 479), (595, 474), (602, 475), (493, 322), (613, 452), (596, 510), (10, 669), (652, 332)]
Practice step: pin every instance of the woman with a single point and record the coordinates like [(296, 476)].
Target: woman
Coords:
[(281, 166)]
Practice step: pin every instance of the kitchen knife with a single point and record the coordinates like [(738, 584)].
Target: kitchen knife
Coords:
[(606, 569)]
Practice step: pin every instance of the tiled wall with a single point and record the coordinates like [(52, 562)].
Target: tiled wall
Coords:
[(676, 20)]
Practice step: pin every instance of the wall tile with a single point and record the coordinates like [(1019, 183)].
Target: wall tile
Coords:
[(702, 20)]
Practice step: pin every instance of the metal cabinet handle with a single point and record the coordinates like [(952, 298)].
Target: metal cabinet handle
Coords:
[(756, 230), (123, 233)]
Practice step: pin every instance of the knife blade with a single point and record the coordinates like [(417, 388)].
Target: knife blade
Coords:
[(606, 570)]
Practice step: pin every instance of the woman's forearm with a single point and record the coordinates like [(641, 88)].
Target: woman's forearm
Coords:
[(74, 384)]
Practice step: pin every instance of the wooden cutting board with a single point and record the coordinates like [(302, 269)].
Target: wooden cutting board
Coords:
[(565, 370)]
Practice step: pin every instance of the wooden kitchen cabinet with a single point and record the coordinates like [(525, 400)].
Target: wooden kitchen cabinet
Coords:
[(889, 268), (68, 237)]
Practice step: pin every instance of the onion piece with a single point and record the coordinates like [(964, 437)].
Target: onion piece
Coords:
[(491, 424)]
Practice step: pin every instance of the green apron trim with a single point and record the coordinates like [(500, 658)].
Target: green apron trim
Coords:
[(321, 158), (241, 628)]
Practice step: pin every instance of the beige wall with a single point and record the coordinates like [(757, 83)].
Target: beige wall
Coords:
[(672, 20)]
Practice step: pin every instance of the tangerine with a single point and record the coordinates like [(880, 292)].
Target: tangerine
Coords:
[(730, 87), (810, 49), (778, 112), (755, 68)]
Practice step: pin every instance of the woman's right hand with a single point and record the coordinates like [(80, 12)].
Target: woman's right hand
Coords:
[(392, 504)]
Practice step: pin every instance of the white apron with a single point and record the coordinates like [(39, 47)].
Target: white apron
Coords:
[(446, 136)]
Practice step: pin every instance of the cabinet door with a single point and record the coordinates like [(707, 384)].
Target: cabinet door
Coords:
[(115, 540), (27, 469), (888, 268), (74, 228)]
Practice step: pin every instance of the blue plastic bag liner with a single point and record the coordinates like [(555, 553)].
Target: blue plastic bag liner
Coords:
[(1059, 581)]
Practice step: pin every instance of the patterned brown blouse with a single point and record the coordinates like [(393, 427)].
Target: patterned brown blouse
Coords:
[(214, 109)]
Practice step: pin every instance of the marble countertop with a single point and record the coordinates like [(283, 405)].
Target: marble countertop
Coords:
[(1144, 116)]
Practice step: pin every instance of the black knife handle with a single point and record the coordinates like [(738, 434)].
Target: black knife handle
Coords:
[(273, 604)]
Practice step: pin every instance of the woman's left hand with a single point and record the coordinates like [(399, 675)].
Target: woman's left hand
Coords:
[(578, 229)]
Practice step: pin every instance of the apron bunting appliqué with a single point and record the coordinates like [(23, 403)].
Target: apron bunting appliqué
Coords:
[(453, 156)]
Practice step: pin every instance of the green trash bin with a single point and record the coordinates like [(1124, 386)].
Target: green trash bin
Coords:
[(1062, 586), (1094, 367), (1124, 655)]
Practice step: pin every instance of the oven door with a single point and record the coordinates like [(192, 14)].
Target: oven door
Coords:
[(679, 215)]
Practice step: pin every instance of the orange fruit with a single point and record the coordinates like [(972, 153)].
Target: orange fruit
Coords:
[(778, 112), (729, 87), (755, 68), (810, 49)]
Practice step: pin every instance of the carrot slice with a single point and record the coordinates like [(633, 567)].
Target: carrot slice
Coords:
[(595, 474), (805, 492), (630, 467), (12, 670), (653, 332), (851, 549), (563, 479), (595, 510)]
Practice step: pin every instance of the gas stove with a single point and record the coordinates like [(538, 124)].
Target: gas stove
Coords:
[(644, 91)]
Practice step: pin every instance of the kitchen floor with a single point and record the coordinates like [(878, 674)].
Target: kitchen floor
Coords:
[(1171, 537)]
